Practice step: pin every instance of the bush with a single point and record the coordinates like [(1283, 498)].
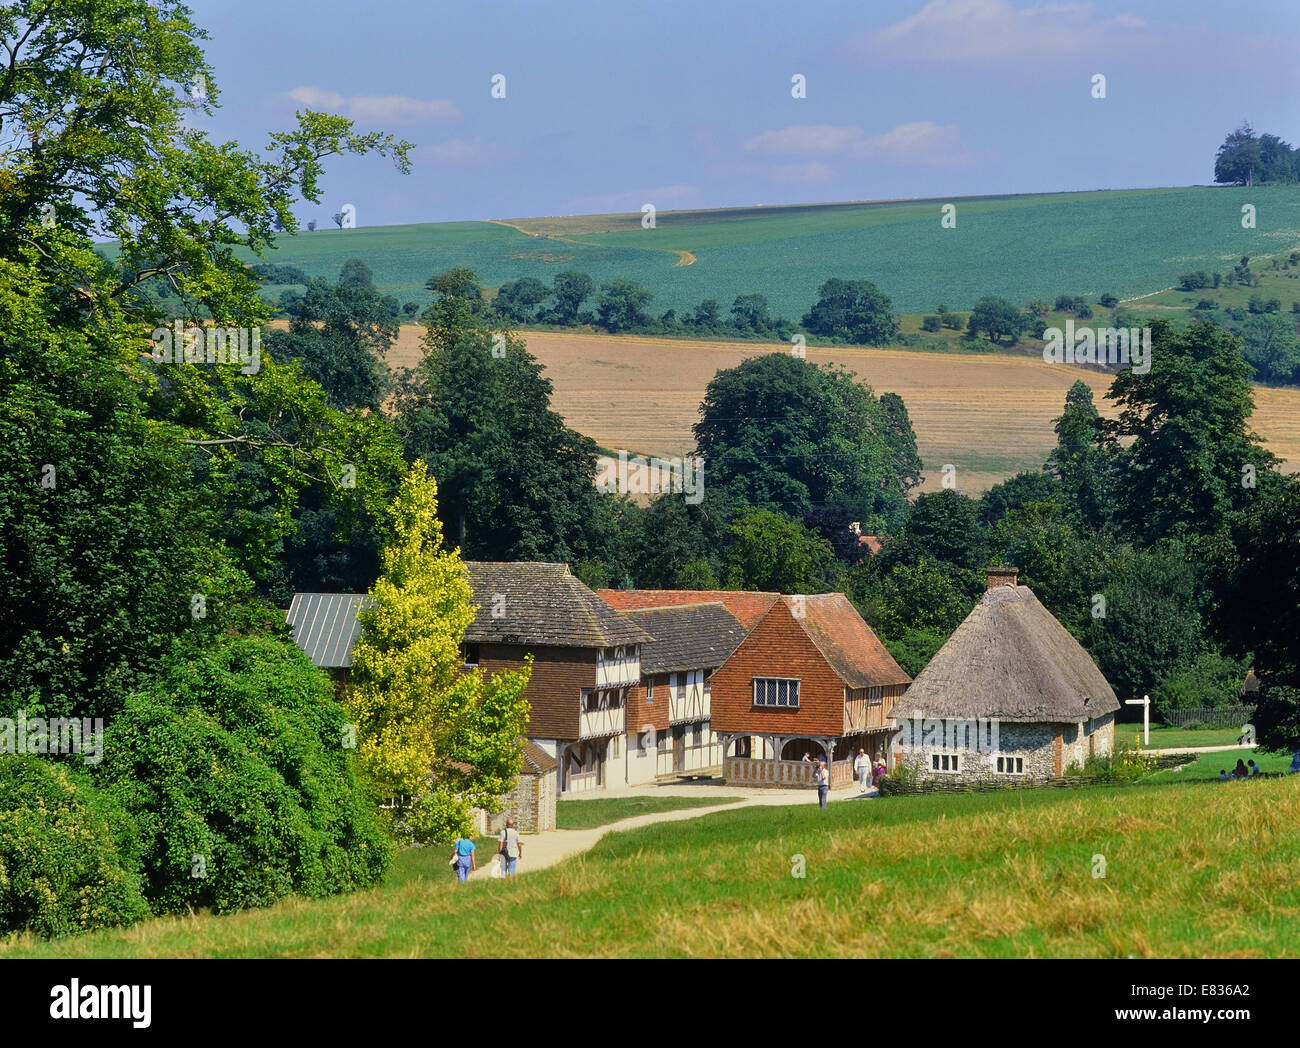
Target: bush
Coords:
[(1108, 300), (233, 767), (1204, 303), (930, 322), (952, 321), (67, 861)]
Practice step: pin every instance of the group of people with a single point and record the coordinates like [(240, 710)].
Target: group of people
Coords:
[(1241, 771), (869, 770), (509, 849)]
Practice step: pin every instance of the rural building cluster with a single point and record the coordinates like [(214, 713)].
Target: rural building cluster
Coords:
[(632, 686)]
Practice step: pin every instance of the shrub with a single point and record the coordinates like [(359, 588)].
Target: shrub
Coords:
[(1108, 300), (1204, 303), (952, 321), (930, 322), (67, 860), (233, 767)]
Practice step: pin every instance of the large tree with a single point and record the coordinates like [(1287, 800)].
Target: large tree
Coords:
[(782, 434), (853, 310)]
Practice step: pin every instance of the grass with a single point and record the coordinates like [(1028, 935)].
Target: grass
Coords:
[(1180, 738), (1207, 768), (1191, 869), (601, 811)]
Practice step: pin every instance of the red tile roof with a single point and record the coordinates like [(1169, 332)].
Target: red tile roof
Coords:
[(745, 605), (872, 542), (846, 642)]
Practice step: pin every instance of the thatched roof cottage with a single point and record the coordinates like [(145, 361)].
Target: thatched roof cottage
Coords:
[(1010, 695)]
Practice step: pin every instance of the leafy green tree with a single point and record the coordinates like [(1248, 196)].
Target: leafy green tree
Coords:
[(571, 289), (518, 300), (786, 435), (765, 551), (1272, 348), (516, 482), (1082, 461), (942, 526), (1237, 161), (1015, 493), (706, 316), (1193, 458), (854, 310), (1152, 623), (749, 314), (427, 729), (1211, 680), (901, 438), (996, 317), (621, 305)]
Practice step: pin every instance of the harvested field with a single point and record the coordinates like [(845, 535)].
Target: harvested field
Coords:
[(990, 415)]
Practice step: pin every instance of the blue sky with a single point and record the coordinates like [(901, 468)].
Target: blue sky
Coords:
[(688, 103)]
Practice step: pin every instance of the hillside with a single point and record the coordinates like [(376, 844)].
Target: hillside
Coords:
[(1127, 242), (1191, 870)]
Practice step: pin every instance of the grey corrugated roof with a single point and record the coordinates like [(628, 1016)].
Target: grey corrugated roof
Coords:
[(687, 637), (325, 626), (543, 604)]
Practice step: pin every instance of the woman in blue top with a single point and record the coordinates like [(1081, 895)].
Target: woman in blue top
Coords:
[(463, 857)]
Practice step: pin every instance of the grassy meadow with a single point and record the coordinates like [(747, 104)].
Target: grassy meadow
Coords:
[(1127, 242), (588, 813), (1192, 869)]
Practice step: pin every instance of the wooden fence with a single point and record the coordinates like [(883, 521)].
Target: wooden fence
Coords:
[(748, 771), (1208, 716)]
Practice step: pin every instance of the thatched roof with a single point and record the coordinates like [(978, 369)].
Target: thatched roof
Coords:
[(1012, 660), (543, 604)]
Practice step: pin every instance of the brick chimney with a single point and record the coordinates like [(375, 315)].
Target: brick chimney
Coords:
[(1001, 577)]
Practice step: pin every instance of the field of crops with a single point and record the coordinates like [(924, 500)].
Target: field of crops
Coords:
[(1130, 242), (989, 415)]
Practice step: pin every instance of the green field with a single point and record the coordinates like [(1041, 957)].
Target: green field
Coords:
[(1128, 242), (1191, 869)]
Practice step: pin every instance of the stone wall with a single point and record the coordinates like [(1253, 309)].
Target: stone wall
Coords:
[(1033, 743), (532, 803)]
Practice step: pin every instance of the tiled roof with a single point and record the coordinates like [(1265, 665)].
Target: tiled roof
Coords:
[(542, 604), (846, 642), (537, 759), (747, 606), (687, 637), (325, 626)]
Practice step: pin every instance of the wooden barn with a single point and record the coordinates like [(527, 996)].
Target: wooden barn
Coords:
[(1011, 695)]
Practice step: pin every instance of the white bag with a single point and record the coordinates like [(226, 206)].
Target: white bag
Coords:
[(499, 866)]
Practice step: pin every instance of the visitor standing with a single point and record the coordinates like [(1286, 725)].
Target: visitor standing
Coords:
[(823, 779), (511, 847)]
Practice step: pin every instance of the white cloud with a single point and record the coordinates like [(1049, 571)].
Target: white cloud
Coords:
[(921, 143), (985, 32), (457, 152), (395, 109)]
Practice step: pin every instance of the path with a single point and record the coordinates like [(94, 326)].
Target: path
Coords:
[(1178, 751), (547, 849)]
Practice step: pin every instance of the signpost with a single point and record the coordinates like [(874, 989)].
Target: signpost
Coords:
[(1145, 703)]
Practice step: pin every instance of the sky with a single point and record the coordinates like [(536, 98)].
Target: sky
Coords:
[(609, 105)]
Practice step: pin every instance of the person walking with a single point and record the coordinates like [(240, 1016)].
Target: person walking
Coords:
[(462, 856), (878, 770), (862, 769), (511, 847), (823, 779)]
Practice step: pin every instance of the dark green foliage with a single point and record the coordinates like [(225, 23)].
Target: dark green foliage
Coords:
[(766, 551), (232, 764), (621, 305), (852, 310), (930, 322), (944, 526), (1247, 159), (1015, 493), (571, 289), (1211, 680), (67, 852), (518, 300), (996, 317)]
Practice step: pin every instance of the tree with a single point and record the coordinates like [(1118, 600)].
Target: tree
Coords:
[(1272, 348), (997, 317), (620, 305), (518, 299), (789, 436), (942, 526), (705, 316), (901, 438), (749, 314), (766, 551), (1238, 158), (1081, 461), (571, 289), (426, 728), (855, 310), (1014, 493), (1193, 457), (516, 482)]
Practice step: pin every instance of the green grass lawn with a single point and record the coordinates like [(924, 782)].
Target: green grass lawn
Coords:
[(601, 811), (1179, 738), (1191, 869), (1210, 764)]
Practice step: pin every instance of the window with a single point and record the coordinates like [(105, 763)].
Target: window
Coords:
[(469, 652), (1011, 765), (650, 692), (775, 691), (875, 696), (945, 762)]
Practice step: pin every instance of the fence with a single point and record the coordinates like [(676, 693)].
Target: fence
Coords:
[(746, 771), (1207, 716)]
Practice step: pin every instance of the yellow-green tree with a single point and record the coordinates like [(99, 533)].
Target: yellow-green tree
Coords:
[(427, 728)]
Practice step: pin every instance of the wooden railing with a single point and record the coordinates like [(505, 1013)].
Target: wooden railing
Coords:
[(753, 772)]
